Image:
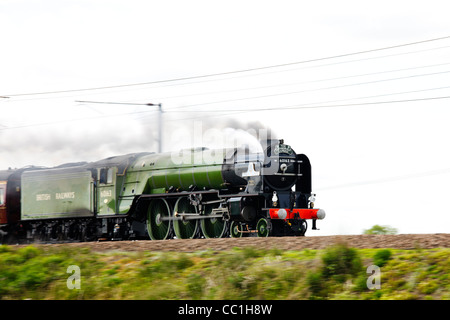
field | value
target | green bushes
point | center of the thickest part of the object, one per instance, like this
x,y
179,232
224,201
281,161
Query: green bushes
x,y
381,257
338,272
195,285
339,263
25,271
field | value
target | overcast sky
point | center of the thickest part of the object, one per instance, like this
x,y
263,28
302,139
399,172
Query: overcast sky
x,y
361,87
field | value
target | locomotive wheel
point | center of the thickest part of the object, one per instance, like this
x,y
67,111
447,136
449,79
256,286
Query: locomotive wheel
x,y
39,233
214,227
262,228
185,229
73,231
158,229
303,226
55,232
236,230
88,231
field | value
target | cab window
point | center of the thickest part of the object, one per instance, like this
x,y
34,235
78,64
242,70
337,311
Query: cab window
x,y
106,175
109,176
103,175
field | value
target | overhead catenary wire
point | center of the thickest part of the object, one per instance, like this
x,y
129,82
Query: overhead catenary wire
x,y
296,107
248,88
297,69
302,68
308,90
230,111
228,72
303,82
310,103
288,93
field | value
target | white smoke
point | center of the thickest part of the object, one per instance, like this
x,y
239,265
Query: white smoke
x,y
94,139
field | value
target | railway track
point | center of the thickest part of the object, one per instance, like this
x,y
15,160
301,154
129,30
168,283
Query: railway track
x,y
401,241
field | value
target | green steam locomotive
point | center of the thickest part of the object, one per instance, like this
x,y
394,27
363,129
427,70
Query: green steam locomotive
x,y
192,193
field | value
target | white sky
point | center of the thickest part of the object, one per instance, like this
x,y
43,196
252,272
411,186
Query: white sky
x,y
372,164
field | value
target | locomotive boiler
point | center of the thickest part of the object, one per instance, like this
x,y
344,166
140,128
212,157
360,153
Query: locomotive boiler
x,y
187,194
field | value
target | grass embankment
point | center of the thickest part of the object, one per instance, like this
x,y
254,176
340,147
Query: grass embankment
x,y
338,272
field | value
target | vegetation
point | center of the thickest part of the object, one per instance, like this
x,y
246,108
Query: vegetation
x,y
338,272
381,257
377,229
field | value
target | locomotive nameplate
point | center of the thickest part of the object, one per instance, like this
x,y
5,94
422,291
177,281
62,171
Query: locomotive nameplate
x,y
283,148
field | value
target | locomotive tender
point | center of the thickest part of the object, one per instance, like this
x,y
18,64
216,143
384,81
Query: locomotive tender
x,y
193,193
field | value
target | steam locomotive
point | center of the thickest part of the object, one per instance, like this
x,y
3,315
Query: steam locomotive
x,y
192,193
